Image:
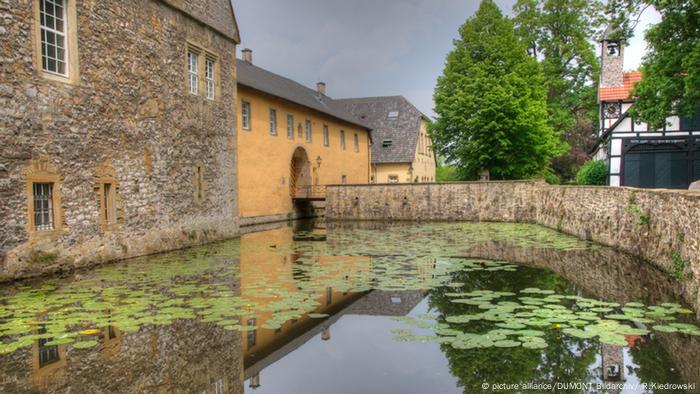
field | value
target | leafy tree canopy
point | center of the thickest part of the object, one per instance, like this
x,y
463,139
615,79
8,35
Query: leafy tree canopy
x,y
560,34
491,103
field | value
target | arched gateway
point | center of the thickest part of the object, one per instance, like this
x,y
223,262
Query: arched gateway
x,y
300,177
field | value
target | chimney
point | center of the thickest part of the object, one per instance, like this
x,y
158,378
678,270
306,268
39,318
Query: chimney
x,y
248,55
321,88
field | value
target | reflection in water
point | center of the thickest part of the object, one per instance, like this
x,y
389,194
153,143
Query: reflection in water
x,y
309,309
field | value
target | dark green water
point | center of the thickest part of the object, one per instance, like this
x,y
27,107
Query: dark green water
x,y
362,308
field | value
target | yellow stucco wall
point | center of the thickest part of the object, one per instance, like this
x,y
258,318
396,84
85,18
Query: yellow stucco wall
x,y
423,163
264,160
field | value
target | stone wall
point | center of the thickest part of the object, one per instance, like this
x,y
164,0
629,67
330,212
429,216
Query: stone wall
x,y
128,117
660,226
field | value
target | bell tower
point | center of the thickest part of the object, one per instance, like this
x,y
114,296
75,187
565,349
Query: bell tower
x,y
612,59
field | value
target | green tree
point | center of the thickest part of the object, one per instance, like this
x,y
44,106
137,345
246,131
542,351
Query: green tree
x,y
491,103
671,67
559,33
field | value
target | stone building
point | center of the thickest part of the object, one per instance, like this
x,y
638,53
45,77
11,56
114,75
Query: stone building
x,y
118,129
293,140
636,155
402,151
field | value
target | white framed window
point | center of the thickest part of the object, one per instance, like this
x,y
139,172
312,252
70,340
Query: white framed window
x,y
192,70
356,139
326,139
43,206
273,121
393,114
54,40
245,115
209,78
342,139
308,131
290,126
393,179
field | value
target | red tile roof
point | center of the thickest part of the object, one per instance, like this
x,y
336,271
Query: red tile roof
x,y
620,92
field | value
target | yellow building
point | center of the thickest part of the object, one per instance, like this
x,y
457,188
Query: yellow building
x,y
402,150
292,141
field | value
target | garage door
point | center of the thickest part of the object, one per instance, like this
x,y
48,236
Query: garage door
x,y
656,170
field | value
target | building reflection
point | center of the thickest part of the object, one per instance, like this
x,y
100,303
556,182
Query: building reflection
x,y
187,356
373,303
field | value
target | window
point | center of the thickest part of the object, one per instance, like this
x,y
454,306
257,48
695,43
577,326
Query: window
x,y
357,142
308,131
329,295
219,387
107,204
342,139
393,114
245,115
251,333
613,49
326,141
43,206
273,121
344,179
47,354
192,68
209,78
393,179
199,183
691,123
54,43
290,126
387,143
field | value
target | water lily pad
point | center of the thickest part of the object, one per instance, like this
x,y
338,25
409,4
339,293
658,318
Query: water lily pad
x,y
85,344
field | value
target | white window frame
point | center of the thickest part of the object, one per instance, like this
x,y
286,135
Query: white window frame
x,y
245,115
273,121
209,77
193,71
326,136
290,126
45,30
43,200
309,131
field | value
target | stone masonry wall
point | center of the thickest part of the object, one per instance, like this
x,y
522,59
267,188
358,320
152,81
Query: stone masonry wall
x,y
130,117
660,226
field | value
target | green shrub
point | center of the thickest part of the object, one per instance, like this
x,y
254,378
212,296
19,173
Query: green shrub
x,y
592,172
39,257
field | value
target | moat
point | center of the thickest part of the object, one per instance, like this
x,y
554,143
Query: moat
x,y
356,308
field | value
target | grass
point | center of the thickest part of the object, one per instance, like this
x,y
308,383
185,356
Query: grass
x,y
678,265
39,257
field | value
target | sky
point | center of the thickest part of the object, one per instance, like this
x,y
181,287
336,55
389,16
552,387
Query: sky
x,y
363,48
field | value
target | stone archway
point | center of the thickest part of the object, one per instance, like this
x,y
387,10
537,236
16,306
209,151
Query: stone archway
x,y
300,174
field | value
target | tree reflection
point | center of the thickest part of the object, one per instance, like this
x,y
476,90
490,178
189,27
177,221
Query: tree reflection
x,y
565,360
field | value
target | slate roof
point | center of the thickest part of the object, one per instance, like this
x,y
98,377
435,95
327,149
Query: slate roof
x,y
620,92
276,85
403,131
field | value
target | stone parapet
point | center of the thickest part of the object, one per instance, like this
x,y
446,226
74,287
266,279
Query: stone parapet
x,y
660,226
